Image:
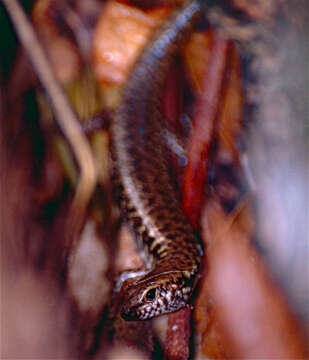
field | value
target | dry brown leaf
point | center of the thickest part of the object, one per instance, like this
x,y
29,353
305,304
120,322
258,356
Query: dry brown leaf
x,y
120,34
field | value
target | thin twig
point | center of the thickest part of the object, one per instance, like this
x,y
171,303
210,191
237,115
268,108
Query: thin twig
x,y
82,35
199,144
65,116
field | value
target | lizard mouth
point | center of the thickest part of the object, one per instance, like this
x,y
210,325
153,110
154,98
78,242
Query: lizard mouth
x,y
129,314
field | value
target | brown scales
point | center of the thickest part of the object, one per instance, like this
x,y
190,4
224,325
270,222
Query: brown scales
x,y
150,202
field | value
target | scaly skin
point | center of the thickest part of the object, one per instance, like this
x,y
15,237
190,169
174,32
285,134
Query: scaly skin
x,y
150,201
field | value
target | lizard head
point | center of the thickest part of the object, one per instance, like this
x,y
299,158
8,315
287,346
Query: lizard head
x,y
155,294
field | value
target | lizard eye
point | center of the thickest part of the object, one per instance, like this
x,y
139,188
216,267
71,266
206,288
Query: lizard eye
x,y
151,294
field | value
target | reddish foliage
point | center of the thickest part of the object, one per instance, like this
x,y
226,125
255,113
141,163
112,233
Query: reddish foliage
x,y
178,335
173,97
260,324
202,135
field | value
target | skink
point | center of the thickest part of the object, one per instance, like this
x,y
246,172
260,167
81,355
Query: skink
x,y
148,198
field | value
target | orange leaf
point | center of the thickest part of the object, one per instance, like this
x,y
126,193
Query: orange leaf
x,y
120,34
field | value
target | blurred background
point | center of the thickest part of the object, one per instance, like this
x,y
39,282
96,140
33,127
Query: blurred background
x,y
236,98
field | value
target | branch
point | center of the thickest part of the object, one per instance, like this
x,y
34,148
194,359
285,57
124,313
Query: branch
x,y
65,116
